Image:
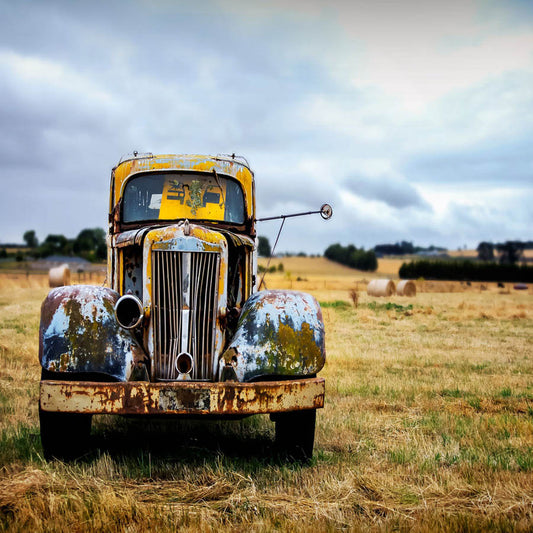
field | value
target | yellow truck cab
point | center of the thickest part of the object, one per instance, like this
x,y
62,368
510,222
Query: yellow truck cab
x,y
181,329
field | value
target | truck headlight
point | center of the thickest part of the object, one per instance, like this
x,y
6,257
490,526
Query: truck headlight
x,y
129,311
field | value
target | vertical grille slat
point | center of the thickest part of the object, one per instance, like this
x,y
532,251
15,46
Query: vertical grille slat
x,y
184,301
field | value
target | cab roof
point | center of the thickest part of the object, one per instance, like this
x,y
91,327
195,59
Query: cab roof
x,y
228,165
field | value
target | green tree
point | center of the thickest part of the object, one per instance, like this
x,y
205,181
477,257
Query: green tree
x,y
263,246
31,239
53,244
485,251
510,252
90,243
352,257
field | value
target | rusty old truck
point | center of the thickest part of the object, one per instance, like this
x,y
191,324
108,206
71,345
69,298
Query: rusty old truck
x,y
180,328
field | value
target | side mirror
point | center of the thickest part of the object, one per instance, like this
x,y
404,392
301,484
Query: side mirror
x,y
326,211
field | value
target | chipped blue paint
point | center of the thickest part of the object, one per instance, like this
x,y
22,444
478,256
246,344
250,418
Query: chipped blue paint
x,y
280,333
79,333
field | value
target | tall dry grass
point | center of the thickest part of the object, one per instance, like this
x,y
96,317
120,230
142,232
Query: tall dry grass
x,y
428,425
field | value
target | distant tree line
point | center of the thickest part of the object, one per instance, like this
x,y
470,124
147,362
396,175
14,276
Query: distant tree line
x,y
264,250
465,270
510,252
353,257
89,244
504,252
404,248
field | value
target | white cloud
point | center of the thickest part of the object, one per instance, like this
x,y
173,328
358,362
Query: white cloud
x,y
39,78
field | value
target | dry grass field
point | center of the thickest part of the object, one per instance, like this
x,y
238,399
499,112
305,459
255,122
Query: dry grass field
x,y
428,426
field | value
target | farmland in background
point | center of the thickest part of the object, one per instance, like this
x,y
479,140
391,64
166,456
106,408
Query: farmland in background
x,y
428,425
472,254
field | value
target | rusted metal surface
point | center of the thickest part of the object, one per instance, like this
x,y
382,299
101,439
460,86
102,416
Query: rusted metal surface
x,y
280,333
183,397
132,271
79,333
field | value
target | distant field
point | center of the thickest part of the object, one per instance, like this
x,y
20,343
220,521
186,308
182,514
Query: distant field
x,y
428,426
473,253
333,280
30,280
324,268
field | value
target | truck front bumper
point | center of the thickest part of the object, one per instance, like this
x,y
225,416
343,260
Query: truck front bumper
x,y
182,397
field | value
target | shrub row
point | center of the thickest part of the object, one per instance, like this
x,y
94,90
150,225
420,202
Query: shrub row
x,y
466,271
271,269
352,257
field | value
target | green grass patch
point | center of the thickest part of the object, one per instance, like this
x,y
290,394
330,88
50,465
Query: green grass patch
x,y
389,306
401,456
20,443
506,392
452,393
337,304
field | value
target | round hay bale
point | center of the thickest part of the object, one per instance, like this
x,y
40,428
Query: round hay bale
x,y
406,287
59,276
381,287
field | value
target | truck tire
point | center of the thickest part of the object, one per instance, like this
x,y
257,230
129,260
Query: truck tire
x,y
64,436
295,434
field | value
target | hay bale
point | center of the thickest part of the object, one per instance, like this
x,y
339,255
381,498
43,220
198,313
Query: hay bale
x,y
381,287
59,276
406,287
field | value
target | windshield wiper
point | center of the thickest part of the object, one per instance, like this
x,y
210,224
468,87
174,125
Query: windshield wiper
x,y
219,186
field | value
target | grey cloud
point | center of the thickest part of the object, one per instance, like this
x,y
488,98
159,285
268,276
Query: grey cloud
x,y
483,136
390,190
492,222
508,165
284,191
180,78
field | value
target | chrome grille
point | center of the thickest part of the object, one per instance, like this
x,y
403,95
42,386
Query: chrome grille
x,y
184,303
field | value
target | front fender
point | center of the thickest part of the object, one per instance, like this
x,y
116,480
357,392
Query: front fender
x,y
279,333
79,333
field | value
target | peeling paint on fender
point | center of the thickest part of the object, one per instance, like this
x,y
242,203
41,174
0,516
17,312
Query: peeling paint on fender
x,y
79,333
280,333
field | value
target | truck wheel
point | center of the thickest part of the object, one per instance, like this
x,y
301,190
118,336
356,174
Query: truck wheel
x,y
64,435
295,434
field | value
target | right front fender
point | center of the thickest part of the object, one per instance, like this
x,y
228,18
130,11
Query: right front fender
x,y
279,334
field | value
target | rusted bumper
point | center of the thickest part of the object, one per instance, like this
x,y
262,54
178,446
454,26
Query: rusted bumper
x,y
143,398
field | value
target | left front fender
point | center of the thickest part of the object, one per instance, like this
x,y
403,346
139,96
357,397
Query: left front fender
x,y
79,333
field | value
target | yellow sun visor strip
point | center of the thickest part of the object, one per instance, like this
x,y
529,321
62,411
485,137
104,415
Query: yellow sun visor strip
x,y
187,197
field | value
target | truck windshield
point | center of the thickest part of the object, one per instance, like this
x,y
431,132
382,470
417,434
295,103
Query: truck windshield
x,y
178,195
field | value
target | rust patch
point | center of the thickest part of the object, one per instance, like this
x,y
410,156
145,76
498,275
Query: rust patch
x,y
79,333
182,397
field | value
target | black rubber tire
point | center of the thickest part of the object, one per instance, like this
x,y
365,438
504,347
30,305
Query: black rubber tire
x,y
295,434
64,436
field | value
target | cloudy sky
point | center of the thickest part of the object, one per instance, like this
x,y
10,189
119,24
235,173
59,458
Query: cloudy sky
x,y
414,120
